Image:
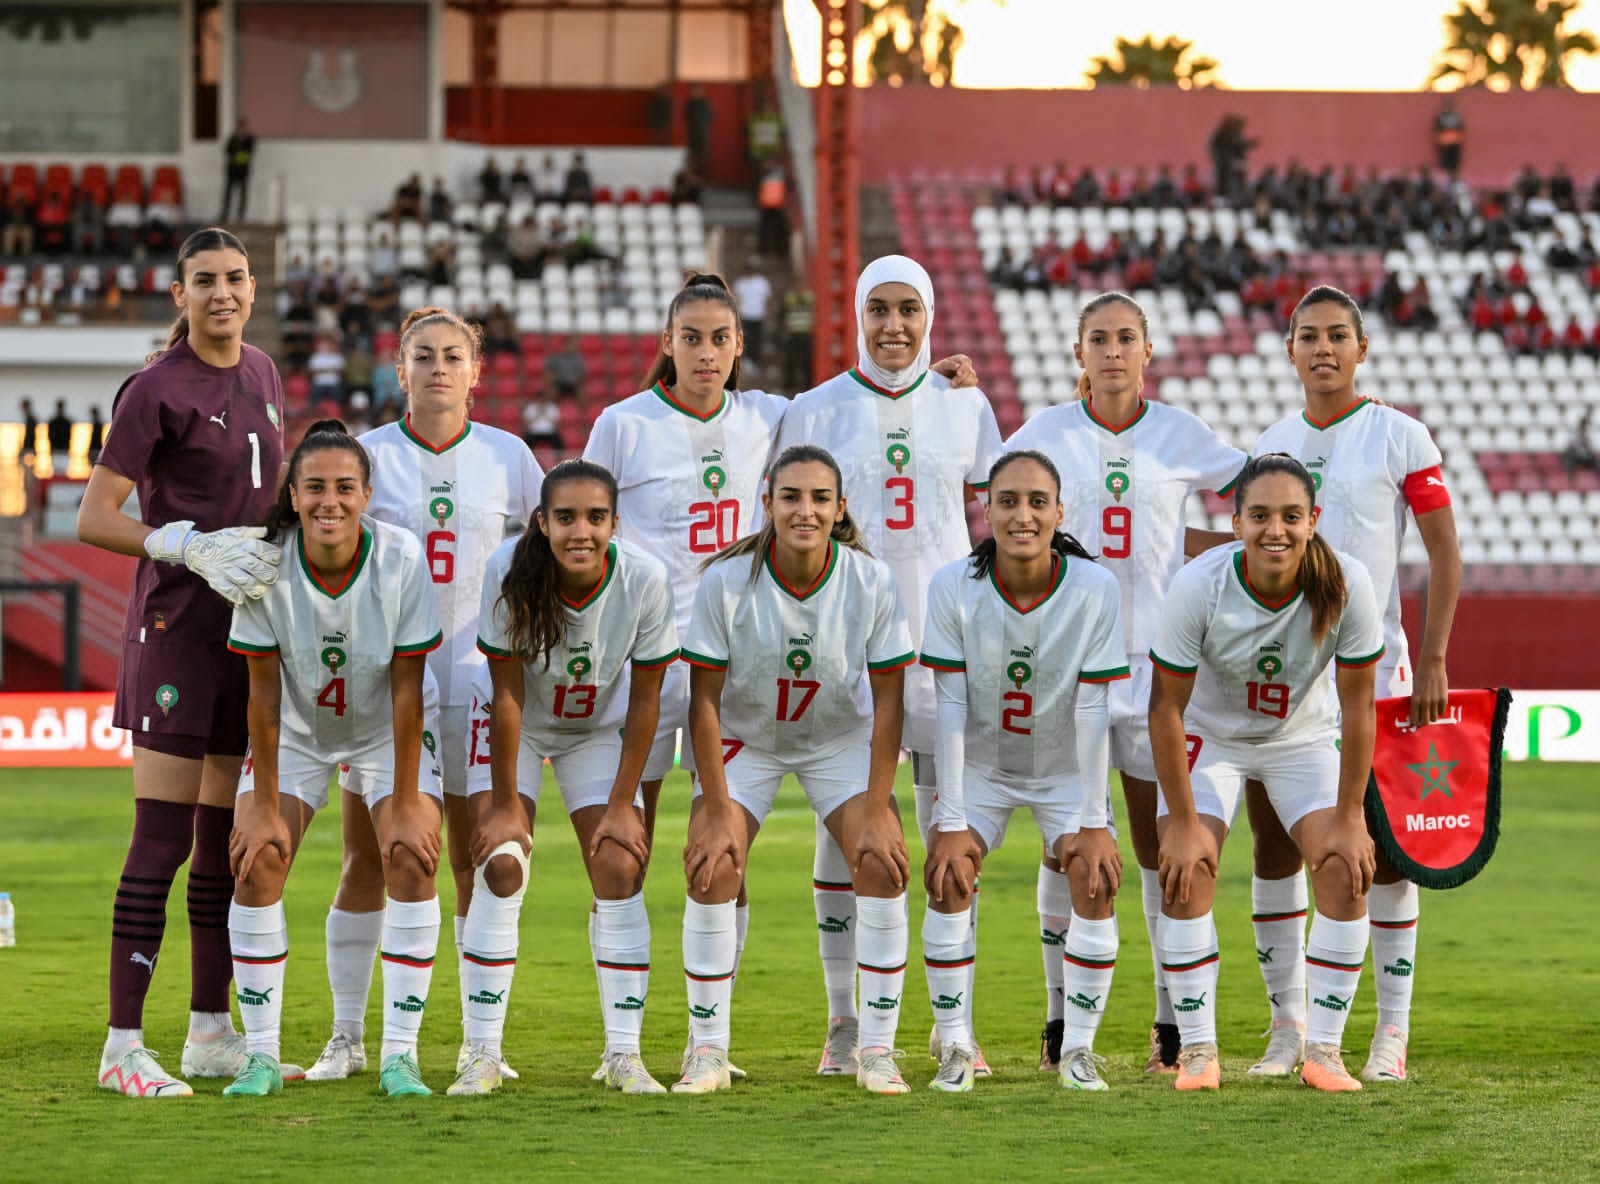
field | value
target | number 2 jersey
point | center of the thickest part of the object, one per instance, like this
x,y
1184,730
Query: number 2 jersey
x,y
905,458
1023,666
460,501
625,621
797,660
687,485
1125,491
1369,464
336,643
1258,675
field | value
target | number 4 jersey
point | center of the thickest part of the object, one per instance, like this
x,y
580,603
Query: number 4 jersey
x,y
336,643
1257,673
797,659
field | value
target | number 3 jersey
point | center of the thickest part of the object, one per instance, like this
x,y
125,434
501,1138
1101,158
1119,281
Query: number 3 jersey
x,y
1257,673
336,642
687,485
796,659
905,458
460,501
626,620
1125,490
1023,665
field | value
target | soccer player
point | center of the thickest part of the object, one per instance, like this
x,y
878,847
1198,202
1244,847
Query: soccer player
x,y
337,652
1370,463
199,435
1247,635
1023,638
579,628
798,658
911,450
1129,467
461,488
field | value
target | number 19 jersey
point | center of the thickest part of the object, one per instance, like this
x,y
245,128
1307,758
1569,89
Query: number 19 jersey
x,y
797,660
1258,674
1125,490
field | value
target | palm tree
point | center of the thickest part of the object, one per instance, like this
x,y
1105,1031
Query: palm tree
x,y
1510,44
1146,63
911,42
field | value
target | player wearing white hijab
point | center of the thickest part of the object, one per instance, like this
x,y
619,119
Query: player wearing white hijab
x,y
909,447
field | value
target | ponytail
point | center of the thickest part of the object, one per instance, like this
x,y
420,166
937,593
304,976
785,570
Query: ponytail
x,y
324,434
845,532
1321,581
697,287
536,616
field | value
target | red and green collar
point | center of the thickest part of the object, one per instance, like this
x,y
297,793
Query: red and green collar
x,y
883,390
608,569
1242,571
345,582
1116,429
1361,401
802,593
1058,573
410,434
666,397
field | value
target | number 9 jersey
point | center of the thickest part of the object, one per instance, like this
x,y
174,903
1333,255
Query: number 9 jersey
x,y
1258,675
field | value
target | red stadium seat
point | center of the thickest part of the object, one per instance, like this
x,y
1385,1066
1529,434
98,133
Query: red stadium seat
x,y
166,185
129,185
24,183
58,179
96,182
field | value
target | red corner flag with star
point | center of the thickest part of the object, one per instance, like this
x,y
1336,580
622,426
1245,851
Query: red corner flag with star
x,y
1433,801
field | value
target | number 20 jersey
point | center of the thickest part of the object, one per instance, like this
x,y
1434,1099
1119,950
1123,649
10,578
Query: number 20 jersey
x,y
1216,628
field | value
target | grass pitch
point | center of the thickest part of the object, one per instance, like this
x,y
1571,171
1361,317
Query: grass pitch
x,y
1502,1085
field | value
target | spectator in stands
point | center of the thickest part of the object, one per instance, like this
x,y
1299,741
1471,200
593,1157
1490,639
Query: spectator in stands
x,y
97,433
355,319
441,263
1449,131
358,413
30,432
526,247
17,238
383,298
408,199
491,185
1229,148
326,368
578,185
583,247
1192,187
614,285
59,433
565,370
53,223
1560,256
88,225
539,425
382,259
440,207
659,115
752,292
1579,452
1086,189
499,331
519,186
686,186
358,374
772,196
549,182
697,119
1562,191
1017,189
238,154
1006,273
799,322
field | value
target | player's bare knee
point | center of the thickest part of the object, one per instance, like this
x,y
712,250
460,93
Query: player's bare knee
x,y
264,884
502,875
615,872
872,879
406,876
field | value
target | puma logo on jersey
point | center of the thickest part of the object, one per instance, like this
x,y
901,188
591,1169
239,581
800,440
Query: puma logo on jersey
x,y
221,420
1434,481
148,963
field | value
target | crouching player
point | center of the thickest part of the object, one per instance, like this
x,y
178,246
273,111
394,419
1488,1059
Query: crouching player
x,y
579,629
1023,637
1249,631
336,651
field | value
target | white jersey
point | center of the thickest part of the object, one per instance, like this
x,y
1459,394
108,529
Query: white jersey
x,y
1368,464
905,458
335,645
1125,491
687,485
626,621
1258,676
460,501
1023,666
797,660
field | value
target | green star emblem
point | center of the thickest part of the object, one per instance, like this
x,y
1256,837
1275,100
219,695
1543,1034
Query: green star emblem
x,y
1435,774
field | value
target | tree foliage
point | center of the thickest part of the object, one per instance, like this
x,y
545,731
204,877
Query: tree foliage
x,y
910,42
1147,62
1510,44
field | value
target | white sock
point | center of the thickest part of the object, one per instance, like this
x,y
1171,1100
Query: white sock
x,y
1054,894
488,951
1150,895
1334,955
209,1025
741,930
1088,962
1392,910
120,1040
947,958
882,939
1278,914
459,925
260,942
833,895
352,940
1189,963
410,942
972,967
622,966
710,943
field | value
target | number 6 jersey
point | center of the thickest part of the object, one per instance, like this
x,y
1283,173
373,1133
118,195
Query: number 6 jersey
x,y
1257,673
797,659
336,644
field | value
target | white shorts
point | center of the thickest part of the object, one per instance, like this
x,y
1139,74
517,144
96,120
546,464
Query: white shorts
x,y
369,775
1129,703
991,798
668,746
584,773
828,781
452,743
1301,774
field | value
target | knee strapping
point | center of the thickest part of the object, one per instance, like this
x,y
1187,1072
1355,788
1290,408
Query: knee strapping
x,y
513,850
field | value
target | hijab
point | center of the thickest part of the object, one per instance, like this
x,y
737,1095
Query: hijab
x,y
893,269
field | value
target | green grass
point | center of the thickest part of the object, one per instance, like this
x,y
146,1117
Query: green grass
x,y
1502,1086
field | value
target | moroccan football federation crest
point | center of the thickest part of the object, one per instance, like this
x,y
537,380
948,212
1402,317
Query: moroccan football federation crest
x,y
1117,480
798,661
272,415
1433,800
1315,467
899,455
166,697
333,658
714,479
441,509
1269,663
1020,673
578,667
